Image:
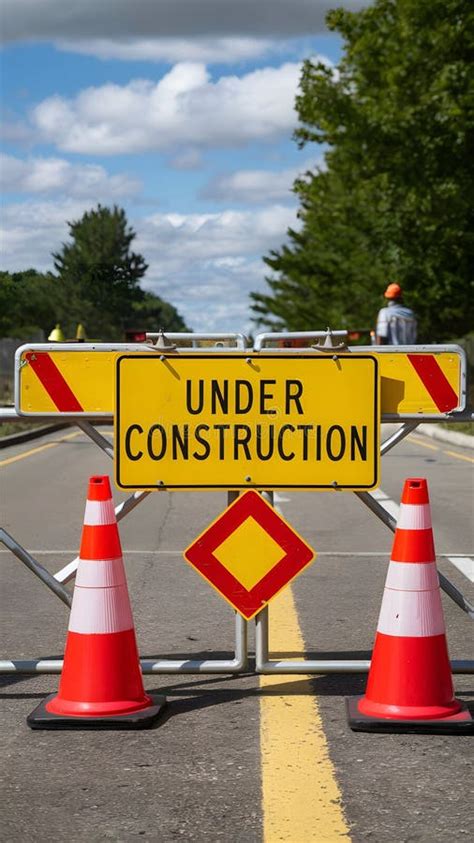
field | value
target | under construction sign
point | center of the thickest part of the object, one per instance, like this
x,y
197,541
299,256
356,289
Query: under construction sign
x,y
234,421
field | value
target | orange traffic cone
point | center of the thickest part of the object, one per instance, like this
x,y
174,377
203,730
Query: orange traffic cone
x,y
101,685
410,687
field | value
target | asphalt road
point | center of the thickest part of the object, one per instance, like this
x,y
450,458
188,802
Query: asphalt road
x,y
206,773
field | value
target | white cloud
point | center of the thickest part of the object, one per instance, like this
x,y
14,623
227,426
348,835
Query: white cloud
x,y
207,50
207,264
184,106
204,237
204,264
32,230
187,159
55,175
257,186
118,19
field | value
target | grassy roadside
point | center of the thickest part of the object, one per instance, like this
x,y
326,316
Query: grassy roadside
x,y
7,428
465,427
460,427
468,344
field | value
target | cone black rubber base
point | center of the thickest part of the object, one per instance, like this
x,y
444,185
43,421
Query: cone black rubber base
x,y
458,724
40,718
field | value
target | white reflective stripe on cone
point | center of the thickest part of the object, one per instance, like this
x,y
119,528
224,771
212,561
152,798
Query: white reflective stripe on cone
x,y
100,610
411,613
101,573
414,516
99,512
412,576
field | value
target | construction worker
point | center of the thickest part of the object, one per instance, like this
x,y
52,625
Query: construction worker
x,y
396,324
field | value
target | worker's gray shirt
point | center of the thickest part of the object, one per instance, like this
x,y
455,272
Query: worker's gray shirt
x,y
397,324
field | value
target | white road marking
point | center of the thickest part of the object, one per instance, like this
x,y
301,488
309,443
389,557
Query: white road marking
x,y
277,498
464,564
390,506
66,573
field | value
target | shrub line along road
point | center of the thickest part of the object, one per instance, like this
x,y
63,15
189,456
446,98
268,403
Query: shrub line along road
x,y
235,758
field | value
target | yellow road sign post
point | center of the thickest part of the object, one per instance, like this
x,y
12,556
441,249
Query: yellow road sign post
x,y
235,421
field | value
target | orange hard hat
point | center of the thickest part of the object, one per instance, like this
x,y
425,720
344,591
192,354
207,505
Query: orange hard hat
x,y
393,291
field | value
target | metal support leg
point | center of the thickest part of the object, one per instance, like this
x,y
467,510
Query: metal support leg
x,y
35,567
448,587
166,666
263,664
96,437
378,510
236,665
69,570
398,436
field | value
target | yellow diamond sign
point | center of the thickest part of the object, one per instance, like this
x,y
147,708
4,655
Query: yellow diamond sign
x,y
249,553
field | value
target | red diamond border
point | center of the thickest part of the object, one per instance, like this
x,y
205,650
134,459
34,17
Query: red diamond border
x,y
298,555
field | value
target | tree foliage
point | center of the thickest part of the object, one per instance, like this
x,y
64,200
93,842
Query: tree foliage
x,y
152,313
394,199
100,269
30,302
97,284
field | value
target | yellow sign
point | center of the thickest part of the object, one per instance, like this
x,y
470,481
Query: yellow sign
x,y
249,553
66,382
235,421
82,381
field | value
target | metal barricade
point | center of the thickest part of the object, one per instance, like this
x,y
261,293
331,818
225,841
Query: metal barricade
x,y
84,419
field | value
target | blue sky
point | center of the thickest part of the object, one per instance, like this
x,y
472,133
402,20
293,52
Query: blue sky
x,y
182,113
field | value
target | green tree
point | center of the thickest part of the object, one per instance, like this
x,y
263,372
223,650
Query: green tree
x,y
394,201
153,313
100,271
30,302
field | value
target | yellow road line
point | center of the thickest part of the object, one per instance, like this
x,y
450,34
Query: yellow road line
x,y
459,456
32,451
300,795
436,448
423,444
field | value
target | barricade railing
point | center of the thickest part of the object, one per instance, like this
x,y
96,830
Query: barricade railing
x,y
239,663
